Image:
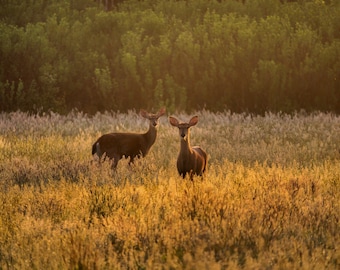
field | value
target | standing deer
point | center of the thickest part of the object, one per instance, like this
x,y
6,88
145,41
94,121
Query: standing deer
x,y
115,146
191,159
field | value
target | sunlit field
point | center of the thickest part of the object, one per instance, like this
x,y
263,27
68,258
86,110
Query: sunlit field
x,y
269,200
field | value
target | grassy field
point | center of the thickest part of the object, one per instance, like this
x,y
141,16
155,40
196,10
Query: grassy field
x,y
269,200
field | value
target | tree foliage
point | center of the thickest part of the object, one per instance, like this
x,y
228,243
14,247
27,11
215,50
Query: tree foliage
x,y
256,56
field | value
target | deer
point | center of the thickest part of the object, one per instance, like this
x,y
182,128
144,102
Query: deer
x,y
115,146
191,160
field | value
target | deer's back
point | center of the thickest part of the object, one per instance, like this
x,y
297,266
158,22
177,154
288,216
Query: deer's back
x,y
121,144
200,151
201,160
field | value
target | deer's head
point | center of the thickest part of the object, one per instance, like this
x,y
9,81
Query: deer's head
x,y
183,127
153,118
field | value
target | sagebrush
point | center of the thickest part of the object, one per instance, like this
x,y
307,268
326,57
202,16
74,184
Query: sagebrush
x,y
269,199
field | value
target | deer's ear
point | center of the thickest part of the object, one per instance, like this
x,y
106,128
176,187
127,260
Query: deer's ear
x,y
173,121
161,112
193,121
144,113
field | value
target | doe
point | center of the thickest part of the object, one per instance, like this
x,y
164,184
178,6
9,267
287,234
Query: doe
x,y
191,159
115,146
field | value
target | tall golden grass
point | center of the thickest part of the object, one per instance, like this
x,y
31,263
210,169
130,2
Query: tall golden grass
x,y
269,200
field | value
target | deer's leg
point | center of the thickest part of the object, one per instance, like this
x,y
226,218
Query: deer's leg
x,y
131,160
191,175
115,161
114,164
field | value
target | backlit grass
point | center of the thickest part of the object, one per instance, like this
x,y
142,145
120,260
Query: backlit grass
x,y
269,200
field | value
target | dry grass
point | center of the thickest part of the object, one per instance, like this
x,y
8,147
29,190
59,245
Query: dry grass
x,y
270,199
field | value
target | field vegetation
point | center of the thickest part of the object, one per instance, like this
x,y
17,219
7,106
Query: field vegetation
x,y
269,200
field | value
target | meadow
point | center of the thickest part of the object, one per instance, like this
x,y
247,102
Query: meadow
x,y
269,200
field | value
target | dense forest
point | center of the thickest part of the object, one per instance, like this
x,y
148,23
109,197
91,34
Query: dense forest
x,y
253,56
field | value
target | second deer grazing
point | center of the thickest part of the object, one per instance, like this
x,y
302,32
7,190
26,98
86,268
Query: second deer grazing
x,y
191,159
115,146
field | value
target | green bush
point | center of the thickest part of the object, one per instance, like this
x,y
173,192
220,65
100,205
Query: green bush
x,y
254,56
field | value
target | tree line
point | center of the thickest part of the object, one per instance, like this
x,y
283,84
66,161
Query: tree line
x,y
254,56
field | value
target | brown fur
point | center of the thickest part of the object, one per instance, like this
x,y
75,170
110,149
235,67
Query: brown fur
x,y
115,146
191,160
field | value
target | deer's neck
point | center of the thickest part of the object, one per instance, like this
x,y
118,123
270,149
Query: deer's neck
x,y
185,147
150,135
